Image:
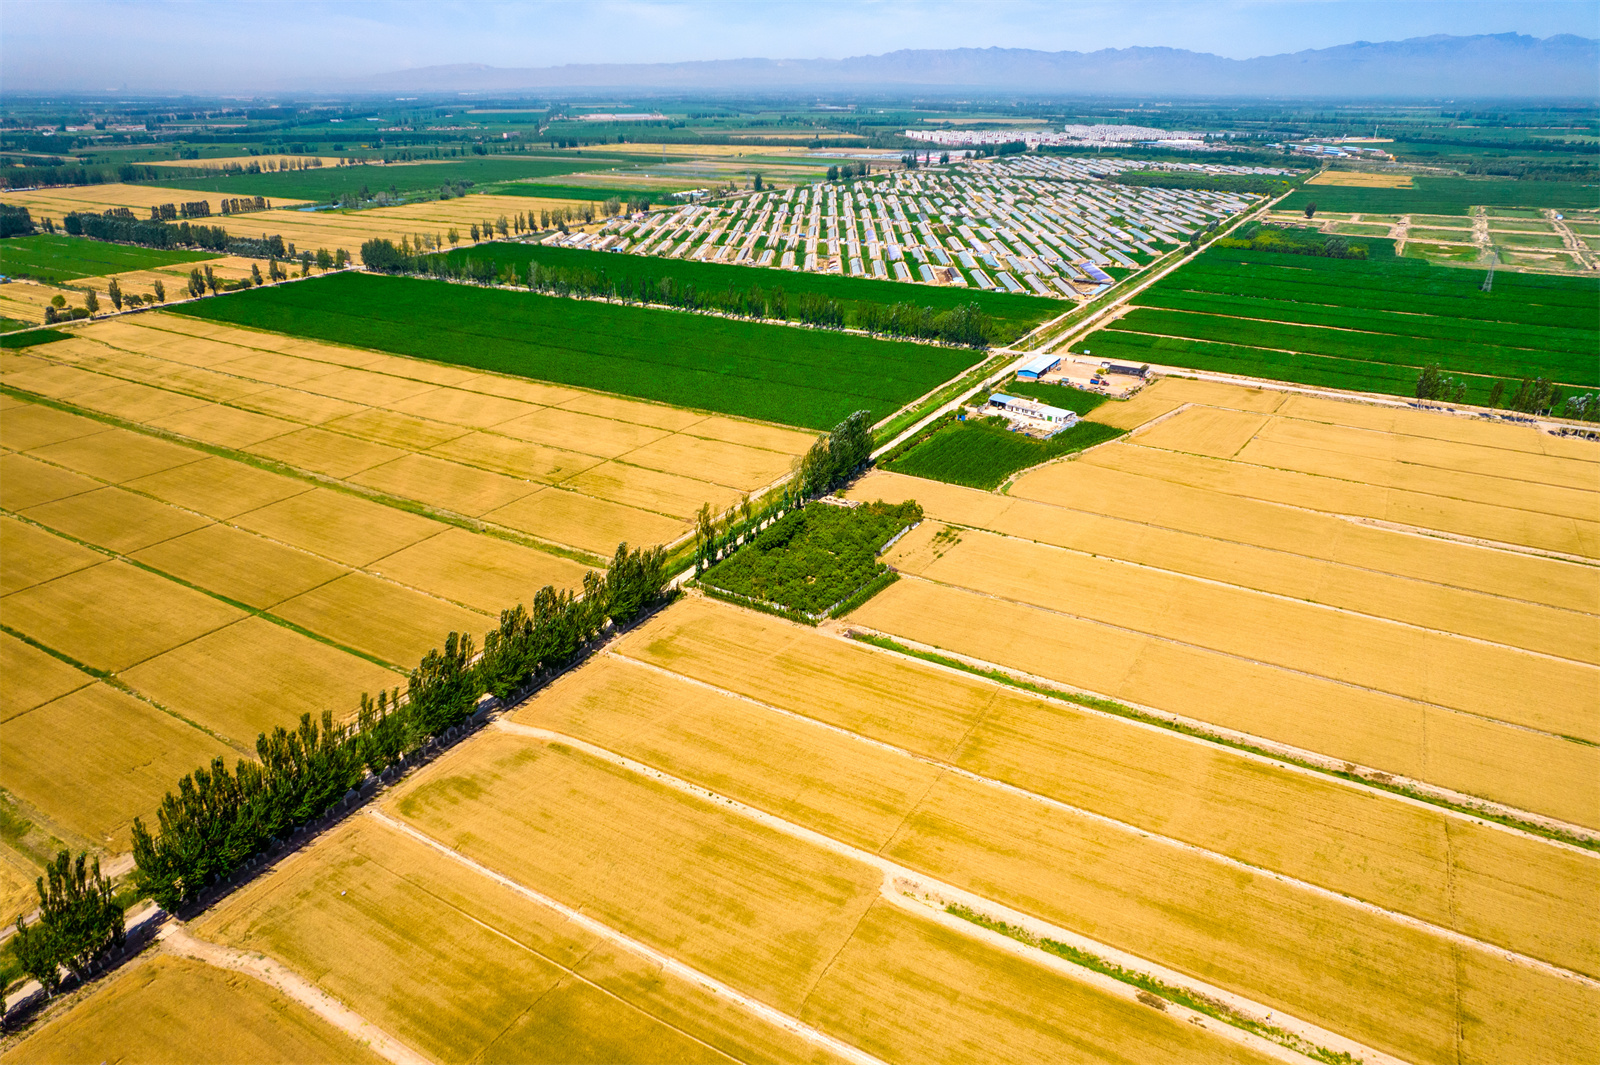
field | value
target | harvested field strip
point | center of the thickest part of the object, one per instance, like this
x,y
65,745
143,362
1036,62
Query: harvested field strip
x,y
93,760
1356,966
898,964
1274,569
1299,423
229,490
828,779
1205,431
1554,695
30,678
162,1008
1557,501
464,489
1498,524
765,913
1140,497
605,785
1526,770
516,980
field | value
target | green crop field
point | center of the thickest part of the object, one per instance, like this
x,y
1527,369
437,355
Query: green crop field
x,y
326,184
29,339
1012,314
794,376
578,192
1444,196
1367,325
53,257
1064,396
815,558
982,452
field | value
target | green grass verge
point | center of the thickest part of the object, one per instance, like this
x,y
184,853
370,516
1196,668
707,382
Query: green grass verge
x,y
982,453
11,325
1013,315
793,376
1444,195
327,184
1116,709
1151,988
55,257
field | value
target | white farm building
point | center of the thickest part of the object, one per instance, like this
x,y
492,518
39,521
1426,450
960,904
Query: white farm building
x,y
1032,413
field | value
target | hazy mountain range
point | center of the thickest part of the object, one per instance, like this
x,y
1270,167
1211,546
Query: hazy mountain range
x,y
1495,65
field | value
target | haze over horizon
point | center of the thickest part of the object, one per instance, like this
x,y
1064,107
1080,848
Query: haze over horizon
x,y
255,47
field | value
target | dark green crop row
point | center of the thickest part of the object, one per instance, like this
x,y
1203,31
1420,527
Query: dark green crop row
x,y
1444,195
1013,314
982,452
1381,287
1413,275
1394,323
1321,371
794,376
1367,347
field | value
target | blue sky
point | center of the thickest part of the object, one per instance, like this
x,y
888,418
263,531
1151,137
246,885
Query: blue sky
x,y
242,45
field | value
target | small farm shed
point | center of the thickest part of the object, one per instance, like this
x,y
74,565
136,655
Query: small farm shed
x,y
1038,367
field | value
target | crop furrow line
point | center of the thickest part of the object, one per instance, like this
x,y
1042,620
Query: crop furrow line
x,y
905,880
607,933
1329,894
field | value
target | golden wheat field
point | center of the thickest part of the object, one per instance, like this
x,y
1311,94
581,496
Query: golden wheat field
x,y
1269,568
1268,731
163,1008
234,529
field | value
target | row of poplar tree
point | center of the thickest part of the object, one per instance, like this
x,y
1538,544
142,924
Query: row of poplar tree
x,y
220,818
832,460
965,325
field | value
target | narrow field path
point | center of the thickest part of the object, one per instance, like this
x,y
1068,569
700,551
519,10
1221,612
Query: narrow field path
x,y
904,880
175,939
772,1016
1321,766
1100,819
1250,659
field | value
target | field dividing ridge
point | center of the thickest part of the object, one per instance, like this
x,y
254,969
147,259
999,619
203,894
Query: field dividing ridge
x,y
577,917
1579,956
976,888
177,941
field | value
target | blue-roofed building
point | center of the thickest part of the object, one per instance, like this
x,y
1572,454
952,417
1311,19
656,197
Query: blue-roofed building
x,y
1038,367
1035,414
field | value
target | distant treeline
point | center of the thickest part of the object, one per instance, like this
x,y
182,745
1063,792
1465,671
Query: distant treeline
x,y
964,325
220,818
24,177
119,225
1249,184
